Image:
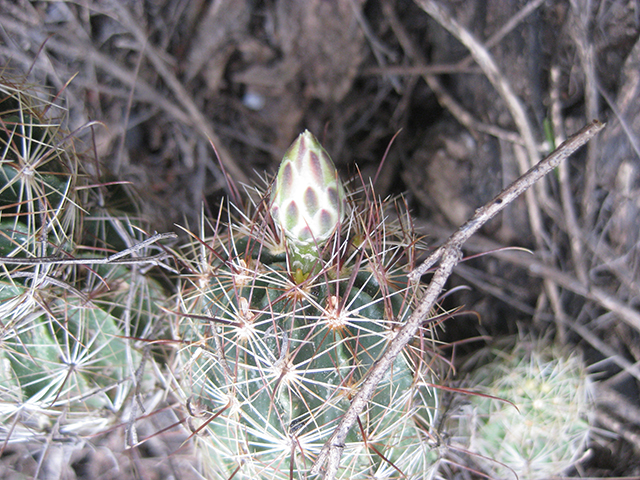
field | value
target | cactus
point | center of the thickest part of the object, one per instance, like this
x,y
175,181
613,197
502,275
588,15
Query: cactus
x,y
545,428
282,313
67,361
38,175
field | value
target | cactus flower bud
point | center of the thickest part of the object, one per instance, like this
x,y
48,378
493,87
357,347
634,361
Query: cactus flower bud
x,y
308,200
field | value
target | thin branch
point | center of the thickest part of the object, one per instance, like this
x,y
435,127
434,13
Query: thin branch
x,y
444,98
332,449
199,121
510,193
626,313
580,23
540,269
449,255
485,61
507,28
116,258
488,65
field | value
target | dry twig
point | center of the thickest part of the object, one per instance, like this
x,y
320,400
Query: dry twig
x,y
116,258
449,255
489,67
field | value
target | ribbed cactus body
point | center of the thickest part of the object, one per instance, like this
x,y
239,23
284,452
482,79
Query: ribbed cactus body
x,y
63,361
544,429
38,168
271,360
68,362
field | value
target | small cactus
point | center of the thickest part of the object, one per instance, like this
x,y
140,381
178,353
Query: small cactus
x,y
283,314
542,425
68,362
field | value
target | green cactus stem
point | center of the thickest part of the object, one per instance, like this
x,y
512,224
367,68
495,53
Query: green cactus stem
x,y
547,432
270,358
39,172
68,359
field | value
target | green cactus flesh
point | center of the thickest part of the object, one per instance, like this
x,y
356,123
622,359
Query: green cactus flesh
x,y
68,362
38,166
62,361
268,364
548,431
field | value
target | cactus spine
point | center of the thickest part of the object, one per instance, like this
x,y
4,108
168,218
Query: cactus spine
x,y
283,314
549,430
67,363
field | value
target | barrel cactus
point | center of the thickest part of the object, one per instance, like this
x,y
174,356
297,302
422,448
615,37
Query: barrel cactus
x,y
68,364
281,314
536,421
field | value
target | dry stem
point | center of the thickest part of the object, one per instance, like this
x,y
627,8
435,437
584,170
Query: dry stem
x,y
449,255
116,258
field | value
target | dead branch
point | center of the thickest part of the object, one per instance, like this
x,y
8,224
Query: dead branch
x,y
449,255
116,258
509,194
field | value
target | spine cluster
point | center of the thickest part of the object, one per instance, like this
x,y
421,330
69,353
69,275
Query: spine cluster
x,y
284,313
278,311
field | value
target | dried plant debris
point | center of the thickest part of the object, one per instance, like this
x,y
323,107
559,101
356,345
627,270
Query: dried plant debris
x,y
148,89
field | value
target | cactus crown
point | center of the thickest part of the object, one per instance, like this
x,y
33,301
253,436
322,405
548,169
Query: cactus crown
x,y
276,345
549,430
